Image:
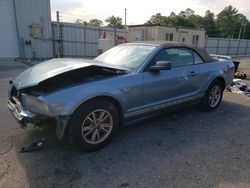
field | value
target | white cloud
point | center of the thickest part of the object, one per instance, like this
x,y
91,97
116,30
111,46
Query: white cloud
x,y
139,12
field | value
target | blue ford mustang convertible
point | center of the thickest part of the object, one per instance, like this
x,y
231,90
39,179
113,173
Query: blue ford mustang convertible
x,y
91,99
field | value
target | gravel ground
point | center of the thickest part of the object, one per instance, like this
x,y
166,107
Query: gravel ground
x,y
183,149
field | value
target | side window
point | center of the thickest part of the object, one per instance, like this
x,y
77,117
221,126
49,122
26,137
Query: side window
x,y
197,59
180,56
176,56
161,56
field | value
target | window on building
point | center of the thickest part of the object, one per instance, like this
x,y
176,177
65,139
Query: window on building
x,y
171,36
166,36
195,39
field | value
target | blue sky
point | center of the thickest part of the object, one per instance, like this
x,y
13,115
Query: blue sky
x,y
138,12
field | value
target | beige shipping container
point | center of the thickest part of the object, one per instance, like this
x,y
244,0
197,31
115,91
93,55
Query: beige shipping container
x,y
158,32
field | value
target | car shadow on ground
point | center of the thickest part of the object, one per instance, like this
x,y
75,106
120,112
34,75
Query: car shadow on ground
x,y
188,148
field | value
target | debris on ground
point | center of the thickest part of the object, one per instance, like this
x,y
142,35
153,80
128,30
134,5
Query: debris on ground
x,y
35,145
240,74
239,87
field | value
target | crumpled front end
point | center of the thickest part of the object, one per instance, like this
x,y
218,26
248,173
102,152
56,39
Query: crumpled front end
x,y
24,114
19,109
37,95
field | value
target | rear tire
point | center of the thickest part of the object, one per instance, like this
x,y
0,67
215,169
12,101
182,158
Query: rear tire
x,y
93,125
213,96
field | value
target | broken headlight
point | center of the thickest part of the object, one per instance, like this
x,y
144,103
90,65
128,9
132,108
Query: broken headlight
x,y
38,106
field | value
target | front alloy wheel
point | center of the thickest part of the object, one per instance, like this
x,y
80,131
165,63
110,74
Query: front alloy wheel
x,y
97,126
93,124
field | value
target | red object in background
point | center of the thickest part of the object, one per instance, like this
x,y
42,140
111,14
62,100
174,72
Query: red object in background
x,y
103,35
120,39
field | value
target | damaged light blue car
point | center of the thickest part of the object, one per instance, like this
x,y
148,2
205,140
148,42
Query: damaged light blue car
x,y
91,99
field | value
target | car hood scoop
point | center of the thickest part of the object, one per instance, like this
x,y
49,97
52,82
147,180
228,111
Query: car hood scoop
x,y
58,67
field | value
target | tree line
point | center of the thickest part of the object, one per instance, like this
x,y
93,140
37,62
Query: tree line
x,y
111,21
229,23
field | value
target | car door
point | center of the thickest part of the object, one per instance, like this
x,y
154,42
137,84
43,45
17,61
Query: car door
x,y
180,82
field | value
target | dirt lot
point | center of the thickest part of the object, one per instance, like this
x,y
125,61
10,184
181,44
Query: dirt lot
x,y
184,149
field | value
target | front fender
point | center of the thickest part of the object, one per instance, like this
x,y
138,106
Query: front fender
x,y
65,102
126,89
89,93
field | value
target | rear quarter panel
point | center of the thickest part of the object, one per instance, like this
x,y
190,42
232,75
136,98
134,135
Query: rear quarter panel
x,y
212,70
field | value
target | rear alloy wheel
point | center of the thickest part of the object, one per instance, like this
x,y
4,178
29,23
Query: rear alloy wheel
x,y
213,96
93,125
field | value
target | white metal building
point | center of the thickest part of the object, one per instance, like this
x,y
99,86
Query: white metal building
x,y
158,32
8,30
25,29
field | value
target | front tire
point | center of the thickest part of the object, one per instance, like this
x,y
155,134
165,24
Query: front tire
x,y
93,125
213,96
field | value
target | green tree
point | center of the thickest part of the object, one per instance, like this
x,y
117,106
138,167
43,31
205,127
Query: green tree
x,y
172,14
196,20
186,13
158,19
96,22
246,33
229,22
79,21
114,22
210,25
180,21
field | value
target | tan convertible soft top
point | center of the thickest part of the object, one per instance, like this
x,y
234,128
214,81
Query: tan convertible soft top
x,y
168,44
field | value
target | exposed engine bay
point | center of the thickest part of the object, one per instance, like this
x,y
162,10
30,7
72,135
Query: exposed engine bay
x,y
81,75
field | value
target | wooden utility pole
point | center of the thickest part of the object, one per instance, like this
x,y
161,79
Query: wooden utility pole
x,y
125,28
125,17
240,31
58,34
244,31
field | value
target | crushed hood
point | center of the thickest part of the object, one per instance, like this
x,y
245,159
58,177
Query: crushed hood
x,y
51,68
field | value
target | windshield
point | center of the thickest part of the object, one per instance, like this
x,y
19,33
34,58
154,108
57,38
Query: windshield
x,y
130,56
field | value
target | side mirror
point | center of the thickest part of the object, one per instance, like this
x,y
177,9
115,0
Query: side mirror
x,y
161,65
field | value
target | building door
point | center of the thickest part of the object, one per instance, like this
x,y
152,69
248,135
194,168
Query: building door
x,y
8,32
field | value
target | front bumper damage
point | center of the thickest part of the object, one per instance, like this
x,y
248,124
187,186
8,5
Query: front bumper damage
x,y
24,118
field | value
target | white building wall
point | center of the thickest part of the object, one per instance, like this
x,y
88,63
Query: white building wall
x,y
37,12
8,30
